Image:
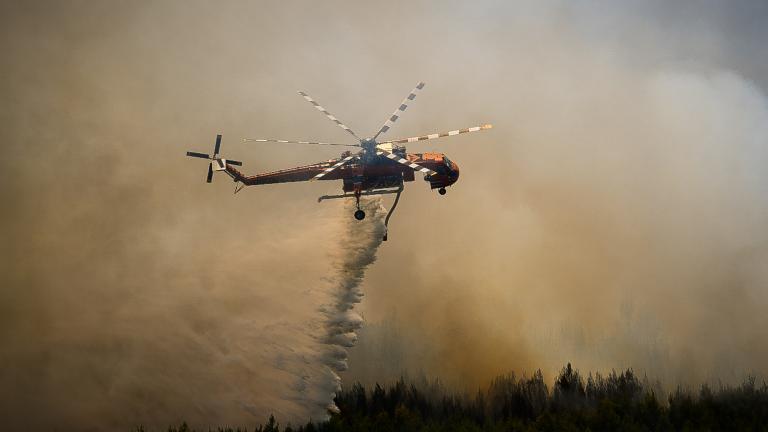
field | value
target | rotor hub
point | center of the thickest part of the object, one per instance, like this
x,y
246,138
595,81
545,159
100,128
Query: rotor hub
x,y
369,145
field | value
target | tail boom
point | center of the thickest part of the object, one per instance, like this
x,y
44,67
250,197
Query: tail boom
x,y
298,174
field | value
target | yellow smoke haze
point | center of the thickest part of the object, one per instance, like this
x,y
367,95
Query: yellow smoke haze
x,y
613,217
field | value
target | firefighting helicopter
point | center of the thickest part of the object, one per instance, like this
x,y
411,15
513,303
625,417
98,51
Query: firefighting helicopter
x,y
377,168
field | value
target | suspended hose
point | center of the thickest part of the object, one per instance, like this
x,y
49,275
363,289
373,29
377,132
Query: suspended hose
x,y
391,210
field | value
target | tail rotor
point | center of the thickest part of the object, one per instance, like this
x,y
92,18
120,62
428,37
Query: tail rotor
x,y
215,158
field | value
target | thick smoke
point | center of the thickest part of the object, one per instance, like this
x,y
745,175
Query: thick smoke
x,y
637,241
614,217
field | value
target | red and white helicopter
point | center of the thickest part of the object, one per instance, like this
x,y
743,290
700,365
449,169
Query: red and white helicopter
x,y
377,168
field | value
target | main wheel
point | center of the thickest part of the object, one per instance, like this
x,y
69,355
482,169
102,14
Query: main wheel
x,y
441,191
359,215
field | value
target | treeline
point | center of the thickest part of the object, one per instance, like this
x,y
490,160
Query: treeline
x,y
616,402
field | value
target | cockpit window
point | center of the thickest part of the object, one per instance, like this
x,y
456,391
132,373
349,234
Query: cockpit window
x,y
447,162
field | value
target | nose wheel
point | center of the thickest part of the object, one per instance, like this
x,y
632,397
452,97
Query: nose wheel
x,y
441,191
359,215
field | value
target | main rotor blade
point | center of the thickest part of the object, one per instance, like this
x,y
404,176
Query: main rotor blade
x,y
234,162
327,114
198,155
439,135
400,110
209,178
297,142
335,167
406,162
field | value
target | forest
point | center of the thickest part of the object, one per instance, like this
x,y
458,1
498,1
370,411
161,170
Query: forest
x,y
617,401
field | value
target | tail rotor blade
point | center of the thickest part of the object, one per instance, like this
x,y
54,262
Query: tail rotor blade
x,y
218,145
198,155
215,158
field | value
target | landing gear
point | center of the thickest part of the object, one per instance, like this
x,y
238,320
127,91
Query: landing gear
x,y
359,214
441,191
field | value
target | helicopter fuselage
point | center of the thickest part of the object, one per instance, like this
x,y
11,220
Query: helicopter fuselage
x,y
376,173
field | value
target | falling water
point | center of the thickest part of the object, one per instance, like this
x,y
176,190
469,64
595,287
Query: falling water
x,y
358,245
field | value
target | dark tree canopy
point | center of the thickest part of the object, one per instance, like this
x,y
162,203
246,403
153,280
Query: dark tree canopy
x,y
618,401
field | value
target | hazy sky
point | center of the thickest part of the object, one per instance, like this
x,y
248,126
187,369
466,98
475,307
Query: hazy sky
x,y
614,217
